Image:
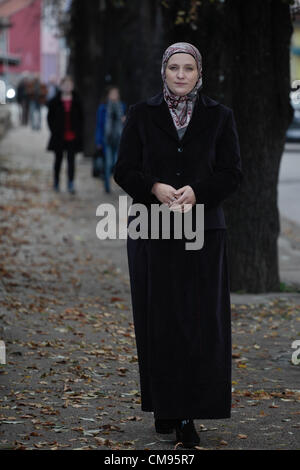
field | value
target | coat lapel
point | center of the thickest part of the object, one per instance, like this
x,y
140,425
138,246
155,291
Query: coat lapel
x,y
161,115
201,117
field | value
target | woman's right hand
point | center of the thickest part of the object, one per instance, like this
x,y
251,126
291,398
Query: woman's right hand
x,y
165,193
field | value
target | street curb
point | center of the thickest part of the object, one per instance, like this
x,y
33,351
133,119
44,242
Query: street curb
x,y
2,353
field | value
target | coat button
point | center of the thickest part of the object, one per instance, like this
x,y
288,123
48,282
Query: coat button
x,y
180,149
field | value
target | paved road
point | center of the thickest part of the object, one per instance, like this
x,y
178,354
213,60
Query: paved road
x,y
289,183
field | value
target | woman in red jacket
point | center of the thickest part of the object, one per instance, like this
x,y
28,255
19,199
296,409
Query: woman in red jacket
x,y
65,120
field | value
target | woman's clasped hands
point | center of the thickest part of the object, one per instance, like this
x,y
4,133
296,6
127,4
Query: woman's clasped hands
x,y
181,199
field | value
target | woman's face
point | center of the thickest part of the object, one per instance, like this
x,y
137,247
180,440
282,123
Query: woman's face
x,y
67,86
181,73
113,94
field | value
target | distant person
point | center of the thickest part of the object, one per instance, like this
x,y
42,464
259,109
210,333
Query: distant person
x,y
23,98
43,94
34,92
109,126
65,120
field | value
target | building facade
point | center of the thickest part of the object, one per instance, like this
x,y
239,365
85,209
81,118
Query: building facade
x,y
29,42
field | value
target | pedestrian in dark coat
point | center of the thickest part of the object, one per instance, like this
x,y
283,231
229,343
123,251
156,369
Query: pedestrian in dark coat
x,y
36,94
65,120
181,147
23,99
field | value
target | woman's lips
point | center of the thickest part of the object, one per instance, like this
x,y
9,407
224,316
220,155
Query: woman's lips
x,y
180,83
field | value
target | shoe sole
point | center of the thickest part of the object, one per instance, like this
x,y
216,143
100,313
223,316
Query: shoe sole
x,y
187,444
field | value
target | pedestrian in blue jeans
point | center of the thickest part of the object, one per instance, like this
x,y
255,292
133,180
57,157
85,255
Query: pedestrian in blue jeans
x,y
109,126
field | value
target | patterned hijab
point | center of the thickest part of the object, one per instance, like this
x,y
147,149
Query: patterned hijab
x,y
181,107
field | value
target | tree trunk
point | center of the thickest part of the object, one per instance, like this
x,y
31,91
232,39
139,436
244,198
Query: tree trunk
x,y
257,86
85,41
114,43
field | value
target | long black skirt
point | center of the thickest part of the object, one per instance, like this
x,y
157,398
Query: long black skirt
x,y
182,320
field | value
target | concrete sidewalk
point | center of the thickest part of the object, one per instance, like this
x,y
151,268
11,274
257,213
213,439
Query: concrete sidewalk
x,y
71,378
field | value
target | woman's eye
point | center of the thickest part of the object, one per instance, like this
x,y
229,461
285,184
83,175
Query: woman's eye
x,y
190,69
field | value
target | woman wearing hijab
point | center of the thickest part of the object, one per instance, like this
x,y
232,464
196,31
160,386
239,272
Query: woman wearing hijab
x,y
178,149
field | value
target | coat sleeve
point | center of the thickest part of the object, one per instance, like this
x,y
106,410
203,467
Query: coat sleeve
x,y
99,126
50,116
128,172
228,174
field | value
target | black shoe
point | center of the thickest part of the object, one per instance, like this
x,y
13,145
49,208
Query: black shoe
x,y
165,426
186,433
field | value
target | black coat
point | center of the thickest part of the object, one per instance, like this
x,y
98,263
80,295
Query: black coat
x,y
207,158
181,298
55,118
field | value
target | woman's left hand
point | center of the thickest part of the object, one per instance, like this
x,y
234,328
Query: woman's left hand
x,y
184,195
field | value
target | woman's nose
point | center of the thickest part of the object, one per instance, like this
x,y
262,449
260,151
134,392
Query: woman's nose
x,y
180,73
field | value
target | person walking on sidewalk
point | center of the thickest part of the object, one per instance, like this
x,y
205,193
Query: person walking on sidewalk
x,y
180,147
109,126
65,120
23,99
36,97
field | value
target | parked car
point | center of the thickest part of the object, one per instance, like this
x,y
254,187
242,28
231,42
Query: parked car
x,y
293,132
